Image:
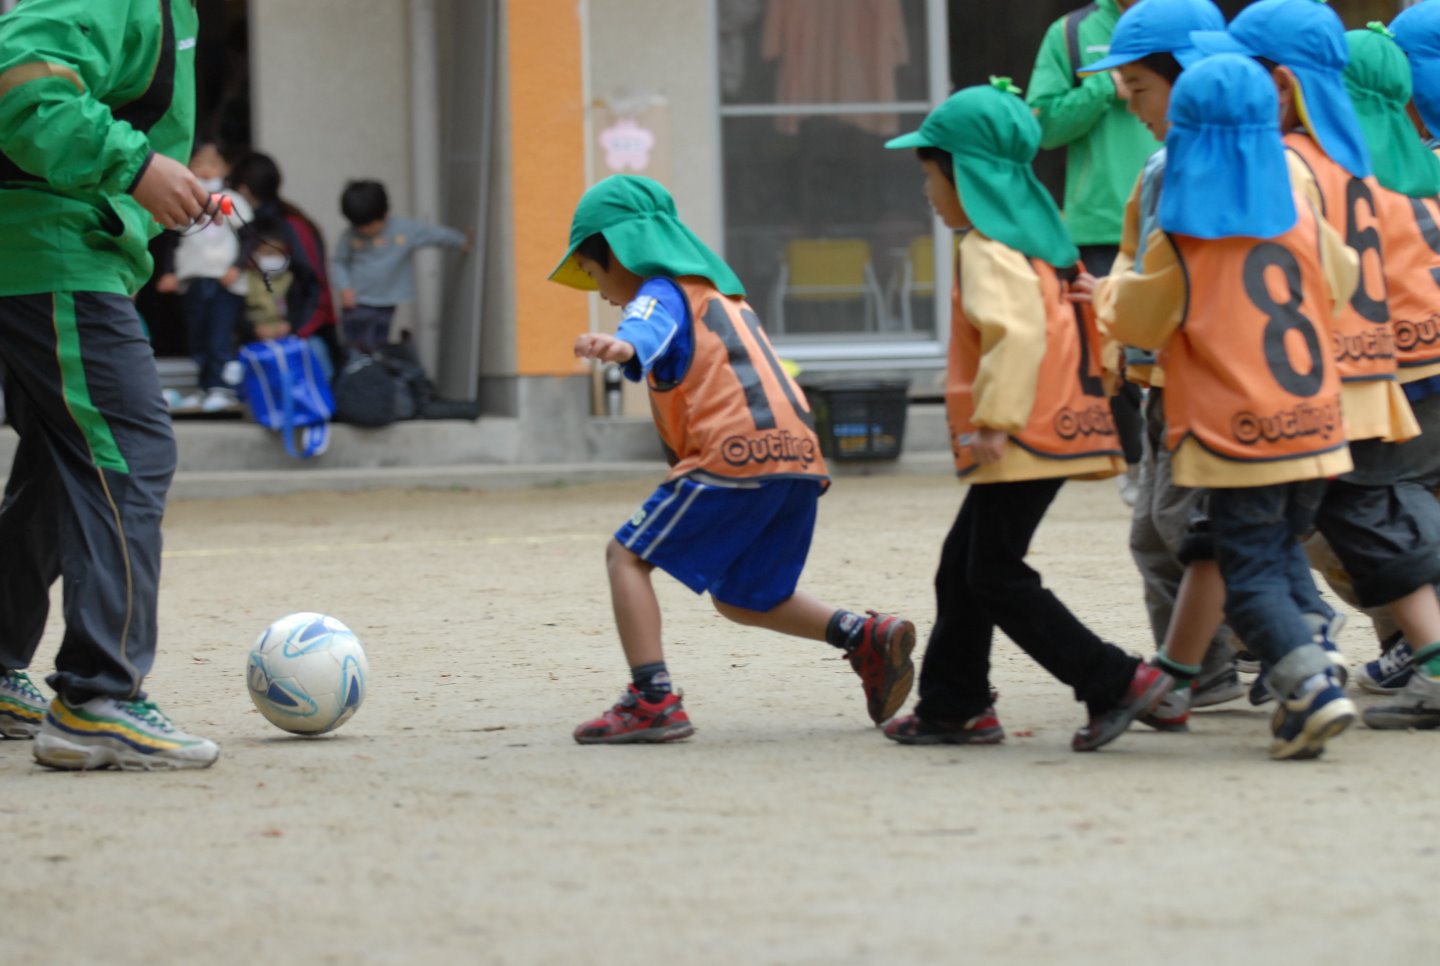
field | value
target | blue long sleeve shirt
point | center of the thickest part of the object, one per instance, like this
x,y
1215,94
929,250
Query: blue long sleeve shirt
x,y
378,267
657,323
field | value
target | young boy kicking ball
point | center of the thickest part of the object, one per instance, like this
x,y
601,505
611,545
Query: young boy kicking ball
x,y
737,512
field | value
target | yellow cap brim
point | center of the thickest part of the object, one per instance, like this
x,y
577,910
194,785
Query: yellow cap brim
x,y
569,273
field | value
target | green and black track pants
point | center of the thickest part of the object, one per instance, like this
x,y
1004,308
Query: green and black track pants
x,y
87,490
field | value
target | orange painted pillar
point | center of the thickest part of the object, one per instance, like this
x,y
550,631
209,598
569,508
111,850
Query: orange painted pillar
x,y
547,150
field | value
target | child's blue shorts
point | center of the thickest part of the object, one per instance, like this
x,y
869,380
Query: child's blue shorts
x,y
746,544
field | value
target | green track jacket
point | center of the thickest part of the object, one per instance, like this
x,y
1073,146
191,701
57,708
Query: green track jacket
x,y
1106,146
88,90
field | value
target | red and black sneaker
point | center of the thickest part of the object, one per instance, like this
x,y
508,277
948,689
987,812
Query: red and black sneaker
x,y
983,729
882,659
635,719
1147,689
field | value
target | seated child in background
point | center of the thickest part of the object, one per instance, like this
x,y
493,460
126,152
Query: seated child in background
x,y
209,273
737,512
270,278
372,264
1239,289
1026,411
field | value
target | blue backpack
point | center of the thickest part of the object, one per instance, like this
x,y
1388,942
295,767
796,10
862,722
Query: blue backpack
x,y
286,391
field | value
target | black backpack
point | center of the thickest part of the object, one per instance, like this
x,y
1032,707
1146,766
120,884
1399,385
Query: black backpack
x,y
367,393
404,364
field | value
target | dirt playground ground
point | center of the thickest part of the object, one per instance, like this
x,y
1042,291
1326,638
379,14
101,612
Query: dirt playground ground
x,y
455,821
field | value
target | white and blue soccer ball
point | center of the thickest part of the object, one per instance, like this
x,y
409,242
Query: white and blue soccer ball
x,y
307,674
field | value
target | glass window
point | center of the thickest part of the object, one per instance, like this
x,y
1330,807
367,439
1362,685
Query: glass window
x,y
829,231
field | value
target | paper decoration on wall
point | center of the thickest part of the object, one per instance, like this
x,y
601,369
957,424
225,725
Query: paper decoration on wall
x,y
627,146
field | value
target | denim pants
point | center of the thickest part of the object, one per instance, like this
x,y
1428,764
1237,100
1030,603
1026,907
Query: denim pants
x,y
211,314
984,583
367,327
1268,587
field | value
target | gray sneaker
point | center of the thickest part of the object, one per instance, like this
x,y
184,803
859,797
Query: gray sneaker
x,y
22,706
107,733
1416,705
1222,686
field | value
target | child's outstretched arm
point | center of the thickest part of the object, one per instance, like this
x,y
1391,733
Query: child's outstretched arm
x,y
604,347
438,235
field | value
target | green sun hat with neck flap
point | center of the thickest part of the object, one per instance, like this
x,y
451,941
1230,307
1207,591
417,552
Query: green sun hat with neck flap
x,y
992,136
1378,79
637,217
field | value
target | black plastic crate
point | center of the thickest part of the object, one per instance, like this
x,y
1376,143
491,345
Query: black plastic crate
x,y
860,420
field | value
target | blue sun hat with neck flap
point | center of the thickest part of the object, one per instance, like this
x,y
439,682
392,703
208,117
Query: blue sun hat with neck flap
x,y
992,137
1417,31
1307,38
1158,27
1225,174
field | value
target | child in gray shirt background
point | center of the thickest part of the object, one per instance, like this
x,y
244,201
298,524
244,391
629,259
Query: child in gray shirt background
x,y
372,262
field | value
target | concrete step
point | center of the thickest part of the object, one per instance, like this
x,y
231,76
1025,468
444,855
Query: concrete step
x,y
234,456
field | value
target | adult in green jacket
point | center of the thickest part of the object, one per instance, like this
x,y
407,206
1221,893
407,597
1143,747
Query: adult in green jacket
x,y
97,114
1105,148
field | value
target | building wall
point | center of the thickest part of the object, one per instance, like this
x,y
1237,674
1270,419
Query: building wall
x,y
330,89
639,47
547,168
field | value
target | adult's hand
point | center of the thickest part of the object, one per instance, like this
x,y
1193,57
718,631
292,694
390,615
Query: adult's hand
x,y
171,193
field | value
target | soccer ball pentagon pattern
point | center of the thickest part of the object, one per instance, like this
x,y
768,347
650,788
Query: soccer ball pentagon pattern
x,y
307,674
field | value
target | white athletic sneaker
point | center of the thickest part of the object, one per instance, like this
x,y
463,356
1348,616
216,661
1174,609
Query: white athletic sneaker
x,y
106,733
181,403
22,706
218,401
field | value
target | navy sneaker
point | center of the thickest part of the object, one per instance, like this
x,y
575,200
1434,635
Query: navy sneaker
x,y
1302,725
1389,672
1327,630
1327,635
1260,692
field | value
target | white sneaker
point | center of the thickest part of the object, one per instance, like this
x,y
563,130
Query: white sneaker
x,y
22,706
106,733
218,400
